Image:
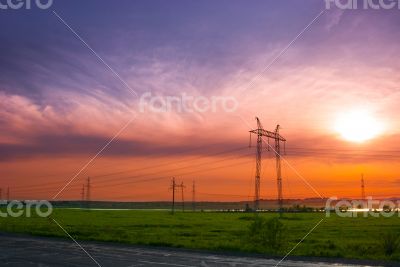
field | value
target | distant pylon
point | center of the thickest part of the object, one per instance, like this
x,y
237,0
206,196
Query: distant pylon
x,y
88,187
260,132
362,187
173,186
194,196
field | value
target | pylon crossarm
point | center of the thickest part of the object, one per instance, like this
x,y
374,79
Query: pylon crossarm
x,y
268,134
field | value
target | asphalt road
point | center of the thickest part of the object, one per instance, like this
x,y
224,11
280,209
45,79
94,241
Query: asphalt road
x,y
31,251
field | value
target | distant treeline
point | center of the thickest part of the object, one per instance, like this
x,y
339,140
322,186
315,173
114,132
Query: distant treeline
x,y
242,205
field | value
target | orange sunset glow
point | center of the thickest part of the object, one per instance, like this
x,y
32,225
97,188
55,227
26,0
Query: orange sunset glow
x,y
170,93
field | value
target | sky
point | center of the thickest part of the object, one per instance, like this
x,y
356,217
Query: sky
x,y
73,79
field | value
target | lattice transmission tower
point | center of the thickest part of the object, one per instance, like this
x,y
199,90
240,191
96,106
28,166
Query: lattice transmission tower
x,y
362,187
260,132
174,186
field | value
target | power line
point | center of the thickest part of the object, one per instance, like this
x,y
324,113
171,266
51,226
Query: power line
x,y
169,163
324,151
224,195
166,177
175,169
182,174
182,152
111,182
150,167
187,173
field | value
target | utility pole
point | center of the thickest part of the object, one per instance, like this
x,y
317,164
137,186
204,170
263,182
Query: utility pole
x,y
1,194
362,187
194,196
88,186
8,194
173,186
275,136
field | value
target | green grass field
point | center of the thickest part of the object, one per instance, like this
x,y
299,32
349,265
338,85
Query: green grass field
x,y
357,238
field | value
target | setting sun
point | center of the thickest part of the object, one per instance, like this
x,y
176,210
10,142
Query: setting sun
x,y
358,126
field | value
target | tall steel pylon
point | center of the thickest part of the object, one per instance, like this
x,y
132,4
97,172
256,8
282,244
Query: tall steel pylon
x,y
173,186
261,132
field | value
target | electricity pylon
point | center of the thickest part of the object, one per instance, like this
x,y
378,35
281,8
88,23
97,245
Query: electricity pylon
x,y
362,187
261,132
194,196
174,185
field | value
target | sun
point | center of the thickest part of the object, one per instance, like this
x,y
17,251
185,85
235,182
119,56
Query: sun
x,y
358,126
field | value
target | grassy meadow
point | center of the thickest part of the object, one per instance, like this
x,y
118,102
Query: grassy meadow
x,y
356,238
